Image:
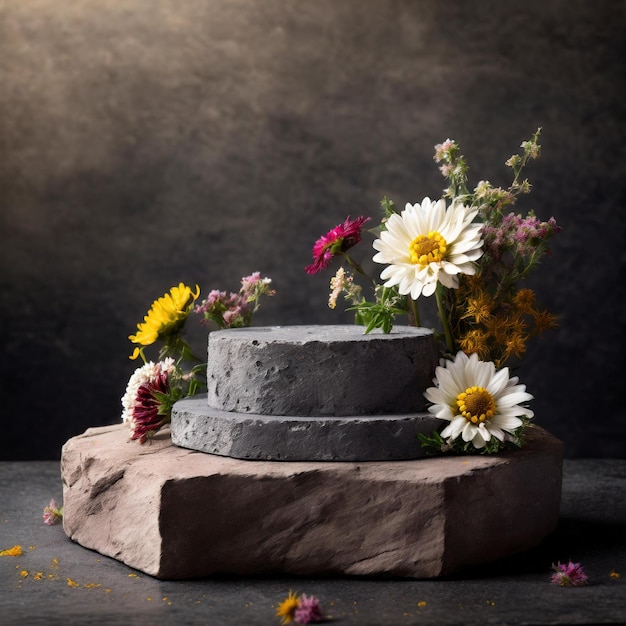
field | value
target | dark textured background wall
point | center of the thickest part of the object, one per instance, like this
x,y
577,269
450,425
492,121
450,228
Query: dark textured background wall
x,y
145,142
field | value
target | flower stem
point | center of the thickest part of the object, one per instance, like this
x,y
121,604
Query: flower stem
x,y
357,268
416,312
444,318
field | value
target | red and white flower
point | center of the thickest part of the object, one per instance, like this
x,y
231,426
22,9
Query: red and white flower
x,y
143,401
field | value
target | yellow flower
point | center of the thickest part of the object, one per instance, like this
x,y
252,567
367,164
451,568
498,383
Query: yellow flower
x,y
475,341
515,345
524,300
165,317
287,608
479,308
544,320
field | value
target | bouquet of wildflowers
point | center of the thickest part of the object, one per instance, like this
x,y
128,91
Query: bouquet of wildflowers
x,y
155,387
469,251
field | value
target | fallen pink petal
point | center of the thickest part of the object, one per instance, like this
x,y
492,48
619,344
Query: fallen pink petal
x,y
308,611
569,575
52,514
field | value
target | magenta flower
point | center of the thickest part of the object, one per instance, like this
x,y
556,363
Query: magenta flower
x,y
336,241
308,611
52,514
570,575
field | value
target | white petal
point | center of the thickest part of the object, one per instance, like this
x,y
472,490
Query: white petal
x,y
506,422
508,400
498,382
469,431
478,442
496,432
483,432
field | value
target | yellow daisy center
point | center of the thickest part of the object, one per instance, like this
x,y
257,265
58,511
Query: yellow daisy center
x,y
476,404
425,249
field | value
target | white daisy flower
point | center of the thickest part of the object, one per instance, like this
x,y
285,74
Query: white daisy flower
x,y
478,401
429,243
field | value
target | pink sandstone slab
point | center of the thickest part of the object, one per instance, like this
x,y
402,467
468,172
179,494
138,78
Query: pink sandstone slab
x,y
175,513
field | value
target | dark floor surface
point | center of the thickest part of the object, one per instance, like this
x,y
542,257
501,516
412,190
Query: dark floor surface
x,y
592,530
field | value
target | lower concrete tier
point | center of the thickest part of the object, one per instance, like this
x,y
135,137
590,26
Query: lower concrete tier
x,y
197,426
177,514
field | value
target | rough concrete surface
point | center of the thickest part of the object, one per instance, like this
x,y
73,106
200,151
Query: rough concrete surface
x,y
197,426
178,514
320,370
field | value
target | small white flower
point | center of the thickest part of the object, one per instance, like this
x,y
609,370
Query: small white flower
x,y
337,283
478,401
429,243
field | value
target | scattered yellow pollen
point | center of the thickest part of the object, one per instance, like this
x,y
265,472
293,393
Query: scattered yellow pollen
x,y
425,249
38,576
614,574
92,585
148,599
72,583
164,599
133,575
23,573
55,562
421,603
107,591
31,547
14,551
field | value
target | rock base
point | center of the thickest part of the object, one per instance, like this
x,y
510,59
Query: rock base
x,y
177,514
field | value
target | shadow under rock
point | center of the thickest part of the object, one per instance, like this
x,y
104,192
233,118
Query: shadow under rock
x,y
582,540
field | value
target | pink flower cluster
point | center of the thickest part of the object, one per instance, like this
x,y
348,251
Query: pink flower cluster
x,y
231,309
234,310
521,235
570,575
308,611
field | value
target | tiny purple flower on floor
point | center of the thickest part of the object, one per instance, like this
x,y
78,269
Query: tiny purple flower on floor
x,y
299,609
308,611
569,575
52,514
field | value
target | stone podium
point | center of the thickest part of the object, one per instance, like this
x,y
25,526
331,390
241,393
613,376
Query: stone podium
x,y
312,393
302,458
